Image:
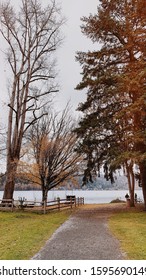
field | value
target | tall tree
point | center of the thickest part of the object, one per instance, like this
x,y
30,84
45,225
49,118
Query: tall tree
x,y
32,36
52,152
112,130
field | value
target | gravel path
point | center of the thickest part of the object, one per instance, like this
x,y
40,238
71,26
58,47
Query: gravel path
x,y
85,235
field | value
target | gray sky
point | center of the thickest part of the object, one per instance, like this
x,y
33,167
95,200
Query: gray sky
x,y
74,41
69,70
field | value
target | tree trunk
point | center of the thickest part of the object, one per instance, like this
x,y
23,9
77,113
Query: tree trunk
x,y
132,198
44,198
44,194
9,189
131,184
10,179
132,193
143,180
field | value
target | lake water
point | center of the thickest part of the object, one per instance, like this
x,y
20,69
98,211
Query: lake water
x,y
90,196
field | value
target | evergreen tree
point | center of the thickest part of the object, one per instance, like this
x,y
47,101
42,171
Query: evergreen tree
x,y
112,129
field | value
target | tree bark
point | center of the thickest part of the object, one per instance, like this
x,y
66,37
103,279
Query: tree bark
x,y
44,194
132,193
143,180
131,183
44,198
10,179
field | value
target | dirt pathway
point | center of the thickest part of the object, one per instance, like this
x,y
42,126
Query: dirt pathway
x,y
85,235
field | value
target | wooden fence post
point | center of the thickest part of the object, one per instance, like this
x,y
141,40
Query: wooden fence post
x,y
58,200
71,202
78,201
75,202
83,200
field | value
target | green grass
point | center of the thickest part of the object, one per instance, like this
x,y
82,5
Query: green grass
x,y
23,234
130,229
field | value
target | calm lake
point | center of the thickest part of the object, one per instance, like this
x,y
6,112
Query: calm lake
x,y
91,197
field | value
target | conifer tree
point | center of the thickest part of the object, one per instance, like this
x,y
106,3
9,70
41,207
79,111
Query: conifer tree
x,y
112,129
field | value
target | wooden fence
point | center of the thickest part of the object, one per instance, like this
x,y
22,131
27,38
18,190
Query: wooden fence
x,y
23,204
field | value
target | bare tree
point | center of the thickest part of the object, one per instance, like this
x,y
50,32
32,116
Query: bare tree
x,y
53,145
32,36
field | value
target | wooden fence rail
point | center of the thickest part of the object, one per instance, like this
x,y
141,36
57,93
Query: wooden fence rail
x,y
23,204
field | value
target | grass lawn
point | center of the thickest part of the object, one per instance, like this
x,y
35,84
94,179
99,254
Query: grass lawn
x,y
130,229
22,234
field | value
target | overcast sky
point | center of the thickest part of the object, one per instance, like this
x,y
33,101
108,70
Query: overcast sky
x,y
74,41
69,69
